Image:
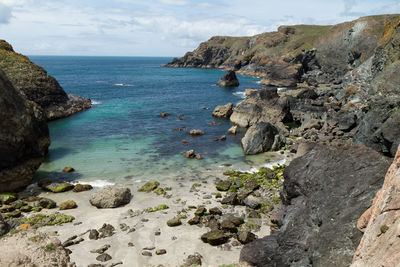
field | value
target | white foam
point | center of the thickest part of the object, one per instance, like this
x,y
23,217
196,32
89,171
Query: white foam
x,y
96,102
281,88
96,183
268,165
259,82
240,94
123,84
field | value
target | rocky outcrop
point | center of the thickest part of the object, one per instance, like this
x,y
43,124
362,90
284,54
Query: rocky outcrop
x,y
24,137
380,243
325,192
259,138
39,87
224,111
32,248
228,80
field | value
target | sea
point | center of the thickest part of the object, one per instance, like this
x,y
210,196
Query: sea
x,y
123,139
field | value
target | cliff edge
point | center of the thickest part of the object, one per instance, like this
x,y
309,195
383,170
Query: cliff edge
x,y
39,87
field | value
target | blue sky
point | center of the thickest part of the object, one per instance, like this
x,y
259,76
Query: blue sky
x,y
160,27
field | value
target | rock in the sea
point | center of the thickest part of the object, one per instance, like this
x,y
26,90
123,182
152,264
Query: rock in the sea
x,y
190,154
224,111
196,132
24,137
380,224
82,187
39,87
326,191
111,197
233,130
164,115
68,169
67,205
58,187
228,80
259,138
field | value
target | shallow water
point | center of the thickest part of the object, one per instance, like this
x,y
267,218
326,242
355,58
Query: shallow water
x,y
122,138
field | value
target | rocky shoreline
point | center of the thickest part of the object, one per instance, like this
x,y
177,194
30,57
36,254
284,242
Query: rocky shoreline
x,y
338,129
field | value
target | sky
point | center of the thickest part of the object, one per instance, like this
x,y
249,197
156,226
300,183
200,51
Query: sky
x,y
160,27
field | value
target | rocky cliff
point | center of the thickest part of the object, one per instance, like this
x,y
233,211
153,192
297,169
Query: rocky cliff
x,y
39,87
24,137
347,77
380,244
325,191
293,54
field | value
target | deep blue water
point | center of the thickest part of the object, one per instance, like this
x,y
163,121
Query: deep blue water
x,y
123,134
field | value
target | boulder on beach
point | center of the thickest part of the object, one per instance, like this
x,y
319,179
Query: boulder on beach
x,y
58,187
82,187
223,111
228,80
259,138
111,197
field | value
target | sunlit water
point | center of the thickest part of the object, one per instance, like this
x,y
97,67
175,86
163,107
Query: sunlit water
x,y
123,138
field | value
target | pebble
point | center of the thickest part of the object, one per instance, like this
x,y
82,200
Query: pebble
x,y
161,252
149,248
147,253
103,257
130,244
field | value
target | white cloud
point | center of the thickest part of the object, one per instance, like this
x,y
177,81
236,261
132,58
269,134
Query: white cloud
x,y
5,14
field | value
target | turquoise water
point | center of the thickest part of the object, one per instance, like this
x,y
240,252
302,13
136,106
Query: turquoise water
x,y
122,137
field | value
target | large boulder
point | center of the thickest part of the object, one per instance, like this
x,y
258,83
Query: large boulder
x,y
24,137
228,80
380,243
110,197
39,87
224,111
325,191
259,138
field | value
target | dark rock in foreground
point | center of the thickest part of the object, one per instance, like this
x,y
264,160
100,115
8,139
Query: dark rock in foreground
x,y
325,191
24,137
229,80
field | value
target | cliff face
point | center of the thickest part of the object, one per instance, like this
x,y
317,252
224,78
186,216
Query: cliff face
x,y
380,244
293,54
325,191
39,87
24,137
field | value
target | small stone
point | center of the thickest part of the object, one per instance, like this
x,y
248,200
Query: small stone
x,y
93,234
231,199
198,157
103,257
222,138
215,237
67,205
218,195
106,230
174,222
101,250
185,141
223,185
147,253
194,259
161,251
253,214
149,186
26,208
207,197
195,220
215,211
82,187
68,169
200,211
130,244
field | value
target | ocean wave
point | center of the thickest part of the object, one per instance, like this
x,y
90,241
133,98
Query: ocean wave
x,y
281,88
96,102
123,84
240,94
